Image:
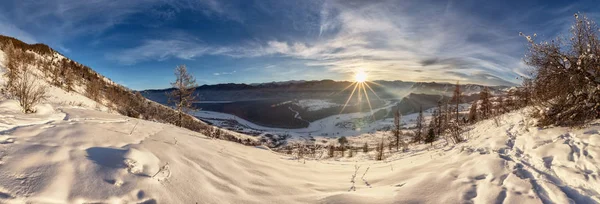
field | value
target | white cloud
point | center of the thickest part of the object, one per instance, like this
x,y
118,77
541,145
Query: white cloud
x,y
183,48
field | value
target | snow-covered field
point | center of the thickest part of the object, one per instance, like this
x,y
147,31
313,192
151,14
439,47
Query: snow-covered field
x,y
322,127
80,155
315,104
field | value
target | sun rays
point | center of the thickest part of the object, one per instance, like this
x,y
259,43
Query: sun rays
x,y
360,87
360,76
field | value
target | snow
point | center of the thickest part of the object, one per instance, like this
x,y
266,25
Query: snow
x,y
76,155
316,104
68,153
326,126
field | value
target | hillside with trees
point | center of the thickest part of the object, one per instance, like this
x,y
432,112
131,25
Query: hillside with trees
x,y
24,62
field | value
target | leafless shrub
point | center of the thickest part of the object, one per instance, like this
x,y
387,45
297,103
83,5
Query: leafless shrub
x,y
28,91
456,132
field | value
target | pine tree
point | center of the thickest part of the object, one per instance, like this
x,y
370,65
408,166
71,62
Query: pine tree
x,y
454,123
331,151
343,142
380,150
183,94
439,119
447,116
486,104
473,113
433,122
430,136
509,102
366,147
500,106
397,126
419,135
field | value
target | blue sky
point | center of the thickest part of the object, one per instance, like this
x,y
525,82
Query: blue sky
x,y
139,43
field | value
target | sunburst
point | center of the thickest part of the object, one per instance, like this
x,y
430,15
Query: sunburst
x,y
360,85
360,76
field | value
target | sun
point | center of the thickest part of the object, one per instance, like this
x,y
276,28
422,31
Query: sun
x,y
360,77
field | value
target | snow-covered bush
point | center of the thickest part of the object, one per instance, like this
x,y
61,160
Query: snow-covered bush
x,y
566,75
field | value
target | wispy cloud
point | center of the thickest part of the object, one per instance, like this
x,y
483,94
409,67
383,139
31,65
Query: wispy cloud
x,y
9,29
387,38
224,73
418,40
61,20
164,49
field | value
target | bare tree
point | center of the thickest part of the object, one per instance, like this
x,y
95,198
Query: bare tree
x,y
14,64
439,119
66,73
93,89
455,127
183,95
456,99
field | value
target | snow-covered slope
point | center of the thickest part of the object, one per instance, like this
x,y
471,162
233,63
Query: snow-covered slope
x,y
79,155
